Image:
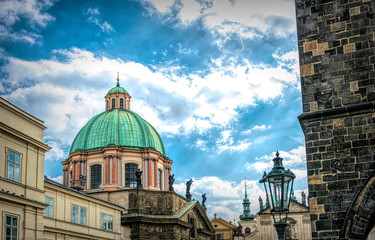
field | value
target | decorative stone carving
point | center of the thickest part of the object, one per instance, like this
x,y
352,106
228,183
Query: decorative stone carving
x,y
188,185
324,93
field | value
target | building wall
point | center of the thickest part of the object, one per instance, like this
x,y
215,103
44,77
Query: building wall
x,y
252,225
223,228
336,48
22,134
60,225
113,174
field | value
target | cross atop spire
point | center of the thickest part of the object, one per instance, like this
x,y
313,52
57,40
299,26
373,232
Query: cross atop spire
x,y
118,80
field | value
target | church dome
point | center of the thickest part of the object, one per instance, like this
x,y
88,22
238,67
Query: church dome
x,y
117,128
117,89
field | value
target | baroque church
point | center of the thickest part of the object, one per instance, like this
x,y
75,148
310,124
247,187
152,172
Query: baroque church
x,y
117,181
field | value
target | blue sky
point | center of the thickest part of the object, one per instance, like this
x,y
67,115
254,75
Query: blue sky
x,y
218,79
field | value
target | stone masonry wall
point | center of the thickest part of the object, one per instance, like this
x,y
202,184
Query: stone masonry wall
x,y
337,55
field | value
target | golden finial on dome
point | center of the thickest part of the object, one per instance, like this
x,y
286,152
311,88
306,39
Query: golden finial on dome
x,y
118,80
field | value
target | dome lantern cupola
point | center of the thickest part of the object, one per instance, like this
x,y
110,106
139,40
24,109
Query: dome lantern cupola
x,y
117,98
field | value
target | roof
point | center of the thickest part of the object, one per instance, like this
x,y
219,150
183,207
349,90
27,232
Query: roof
x,y
46,180
117,89
291,201
224,222
117,128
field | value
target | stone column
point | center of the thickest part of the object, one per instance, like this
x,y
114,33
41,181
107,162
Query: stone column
x,y
150,173
106,170
156,182
114,166
78,172
73,173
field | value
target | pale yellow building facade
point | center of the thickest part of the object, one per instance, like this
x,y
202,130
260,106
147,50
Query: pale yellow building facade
x,y
33,207
298,219
21,173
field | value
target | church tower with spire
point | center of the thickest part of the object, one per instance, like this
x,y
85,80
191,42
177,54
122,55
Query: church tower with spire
x,y
246,215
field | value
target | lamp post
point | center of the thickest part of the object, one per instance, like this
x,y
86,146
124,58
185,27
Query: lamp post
x,y
279,184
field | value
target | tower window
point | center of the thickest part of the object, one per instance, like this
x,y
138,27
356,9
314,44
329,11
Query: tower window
x,y
130,177
113,103
96,176
159,178
247,230
107,105
121,103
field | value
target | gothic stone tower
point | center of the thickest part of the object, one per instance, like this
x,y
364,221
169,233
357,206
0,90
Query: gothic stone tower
x,y
337,55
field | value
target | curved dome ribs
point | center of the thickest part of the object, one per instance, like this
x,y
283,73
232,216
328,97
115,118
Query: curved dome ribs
x,y
122,128
158,138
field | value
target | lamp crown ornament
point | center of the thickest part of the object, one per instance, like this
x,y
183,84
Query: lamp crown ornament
x,y
278,183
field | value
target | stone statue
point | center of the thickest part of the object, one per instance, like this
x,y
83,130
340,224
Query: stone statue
x,y
303,195
138,174
260,203
239,229
268,203
204,198
171,181
188,185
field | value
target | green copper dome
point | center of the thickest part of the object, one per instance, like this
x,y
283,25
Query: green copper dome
x,y
117,89
120,128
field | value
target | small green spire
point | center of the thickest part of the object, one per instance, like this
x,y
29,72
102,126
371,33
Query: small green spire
x,y
245,189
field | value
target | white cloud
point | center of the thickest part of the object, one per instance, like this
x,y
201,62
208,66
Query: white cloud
x,y
58,179
12,12
93,16
201,144
176,104
292,159
161,6
244,17
64,111
226,143
56,153
224,197
257,128
190,11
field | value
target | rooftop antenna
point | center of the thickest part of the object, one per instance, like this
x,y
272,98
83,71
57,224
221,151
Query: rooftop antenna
x,y
118,80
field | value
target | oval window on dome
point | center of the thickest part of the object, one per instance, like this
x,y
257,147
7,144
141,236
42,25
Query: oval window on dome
x,y
130,177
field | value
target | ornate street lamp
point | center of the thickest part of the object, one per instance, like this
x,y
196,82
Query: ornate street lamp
x,y
279,184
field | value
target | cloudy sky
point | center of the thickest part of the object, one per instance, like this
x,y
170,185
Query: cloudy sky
x,y
219,80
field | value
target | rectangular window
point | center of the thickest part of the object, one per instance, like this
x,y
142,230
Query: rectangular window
x,y
107,222
49,209
14,166
11,227
82,216
79,215
74,214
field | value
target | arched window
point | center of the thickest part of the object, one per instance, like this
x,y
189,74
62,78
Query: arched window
x,y
113,103
159,178
96,176
130,177
107,105
247,230
127,105
121,103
